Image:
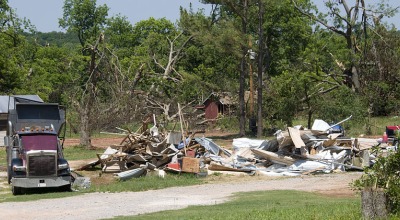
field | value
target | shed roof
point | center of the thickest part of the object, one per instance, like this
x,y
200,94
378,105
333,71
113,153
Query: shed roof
x,y
224,97
8,102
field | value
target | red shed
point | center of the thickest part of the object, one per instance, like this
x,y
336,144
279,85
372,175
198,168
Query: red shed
x,y
216,104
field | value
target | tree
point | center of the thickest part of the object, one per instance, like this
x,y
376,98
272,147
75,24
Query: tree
x,y
213,52
360,51
162,46
282,35
381,76
351,23
120,32
240,10
86,20
48,74
12,45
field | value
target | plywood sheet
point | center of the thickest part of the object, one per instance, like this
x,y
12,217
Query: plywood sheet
x,y
296,137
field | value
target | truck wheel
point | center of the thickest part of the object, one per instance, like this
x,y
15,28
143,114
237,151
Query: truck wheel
x,y
16,190
66,188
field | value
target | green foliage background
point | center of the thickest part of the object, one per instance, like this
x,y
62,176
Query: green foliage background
x,y
302,72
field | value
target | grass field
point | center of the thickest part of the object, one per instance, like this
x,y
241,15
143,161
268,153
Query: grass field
x,y
3,158
149,182
268,205
107,183
80,153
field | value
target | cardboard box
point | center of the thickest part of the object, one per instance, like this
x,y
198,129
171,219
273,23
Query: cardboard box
x,y
190,165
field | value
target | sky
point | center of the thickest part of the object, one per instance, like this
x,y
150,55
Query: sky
x,y
44,14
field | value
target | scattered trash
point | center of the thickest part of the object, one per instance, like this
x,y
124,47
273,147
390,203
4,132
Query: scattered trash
x,y
79,181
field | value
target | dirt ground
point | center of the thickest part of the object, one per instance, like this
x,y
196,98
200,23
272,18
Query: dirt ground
x,y
224,139
96,142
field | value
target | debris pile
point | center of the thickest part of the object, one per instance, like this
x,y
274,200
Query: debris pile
x,y
294,151
322,149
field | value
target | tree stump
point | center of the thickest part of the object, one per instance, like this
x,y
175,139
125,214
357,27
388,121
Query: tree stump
x,y
374,204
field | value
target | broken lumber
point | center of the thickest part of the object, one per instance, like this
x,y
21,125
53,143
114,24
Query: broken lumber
x,y
274,157
296,137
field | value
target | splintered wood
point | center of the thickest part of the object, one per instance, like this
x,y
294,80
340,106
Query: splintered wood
x,y
151,150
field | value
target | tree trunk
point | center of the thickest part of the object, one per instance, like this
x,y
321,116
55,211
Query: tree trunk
x,y
355,79
88,101
242,119
85,129
374,204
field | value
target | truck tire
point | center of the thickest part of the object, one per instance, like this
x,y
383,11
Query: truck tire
x,y
66,188
16,190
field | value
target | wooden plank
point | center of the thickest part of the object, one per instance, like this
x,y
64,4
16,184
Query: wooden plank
x,y
218,167
276,158
296,137
314,170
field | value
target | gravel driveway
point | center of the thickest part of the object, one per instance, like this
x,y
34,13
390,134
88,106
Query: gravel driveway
x,y
107,205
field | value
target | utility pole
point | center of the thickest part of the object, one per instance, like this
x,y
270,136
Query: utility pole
x,y
252,119
260,69
251,57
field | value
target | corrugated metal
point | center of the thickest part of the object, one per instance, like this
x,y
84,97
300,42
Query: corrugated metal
x,y
135,173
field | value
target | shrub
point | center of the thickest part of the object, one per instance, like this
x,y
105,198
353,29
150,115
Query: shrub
x,y
384,174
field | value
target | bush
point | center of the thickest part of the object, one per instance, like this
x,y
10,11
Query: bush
x,y
384,174
229,123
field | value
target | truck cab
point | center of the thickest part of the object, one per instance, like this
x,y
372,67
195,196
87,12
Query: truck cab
x,y
34,145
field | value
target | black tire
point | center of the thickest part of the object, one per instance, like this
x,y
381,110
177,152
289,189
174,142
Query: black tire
x,y
16,190
66,188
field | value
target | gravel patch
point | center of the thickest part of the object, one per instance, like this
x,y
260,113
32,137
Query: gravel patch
x,y
108,205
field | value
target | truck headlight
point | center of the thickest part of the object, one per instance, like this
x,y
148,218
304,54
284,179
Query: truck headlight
x,y
63,166
19,168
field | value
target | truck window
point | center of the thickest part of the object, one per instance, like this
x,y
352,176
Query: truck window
x,y
38,112
39,142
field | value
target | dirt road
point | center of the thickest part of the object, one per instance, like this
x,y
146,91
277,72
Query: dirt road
x,y
107,205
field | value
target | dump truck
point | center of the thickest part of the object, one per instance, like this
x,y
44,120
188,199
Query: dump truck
x,y
34,139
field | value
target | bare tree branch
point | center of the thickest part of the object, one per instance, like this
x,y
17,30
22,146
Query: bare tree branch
x,y
332,28
319,92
